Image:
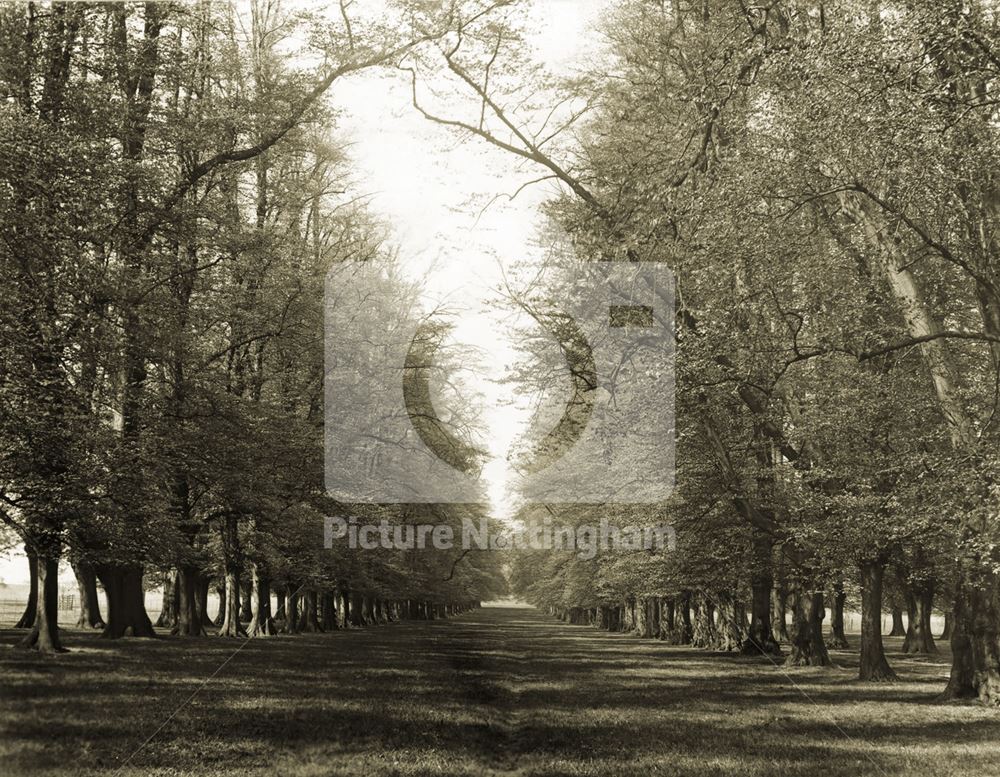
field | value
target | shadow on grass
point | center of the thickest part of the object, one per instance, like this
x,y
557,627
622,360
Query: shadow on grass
x,y
492,692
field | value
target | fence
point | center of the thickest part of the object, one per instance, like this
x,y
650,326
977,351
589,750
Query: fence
x,y
12,606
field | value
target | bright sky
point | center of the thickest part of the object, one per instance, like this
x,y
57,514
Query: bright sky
x,y
430,189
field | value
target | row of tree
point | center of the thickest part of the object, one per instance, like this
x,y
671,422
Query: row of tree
x,y
823,179
171,201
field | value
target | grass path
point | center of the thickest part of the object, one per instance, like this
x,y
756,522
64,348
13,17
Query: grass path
x,y
495,691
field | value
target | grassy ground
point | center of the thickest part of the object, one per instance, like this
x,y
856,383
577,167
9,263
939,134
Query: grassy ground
x,y
496,691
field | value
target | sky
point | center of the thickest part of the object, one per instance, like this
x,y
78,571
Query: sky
x,y
430,188
442,197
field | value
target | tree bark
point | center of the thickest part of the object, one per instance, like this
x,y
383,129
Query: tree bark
x,y
898,629
308,621
291,625
356,611
975,642
670,632
703,631
912,621
90,605
168,604
807,645
760,636
220,592
230,600
261,623
44,634
279,610
204,588
732,627
920,603
687,627
653,617
628,618
190,613
29,616
344,607
838,637
642,626
975,669
246,603
126,601
328,611
231,626
779,614
874,667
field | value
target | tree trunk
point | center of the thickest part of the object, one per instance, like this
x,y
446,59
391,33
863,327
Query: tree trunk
x,y
344,609
732,627
232,562
703,632
291,625
220,613
807,645
246,603
919,603
687,627
975,648
925,609
912,621
653,617
641,620
838,638
29,616
90,605
898,629
168,604
948,620
874,666
760,636
359,610
190,613
308,621
204,588
231,626
279,610
44,634
328,611
628,618
261,623
670,632
779,614
126,601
